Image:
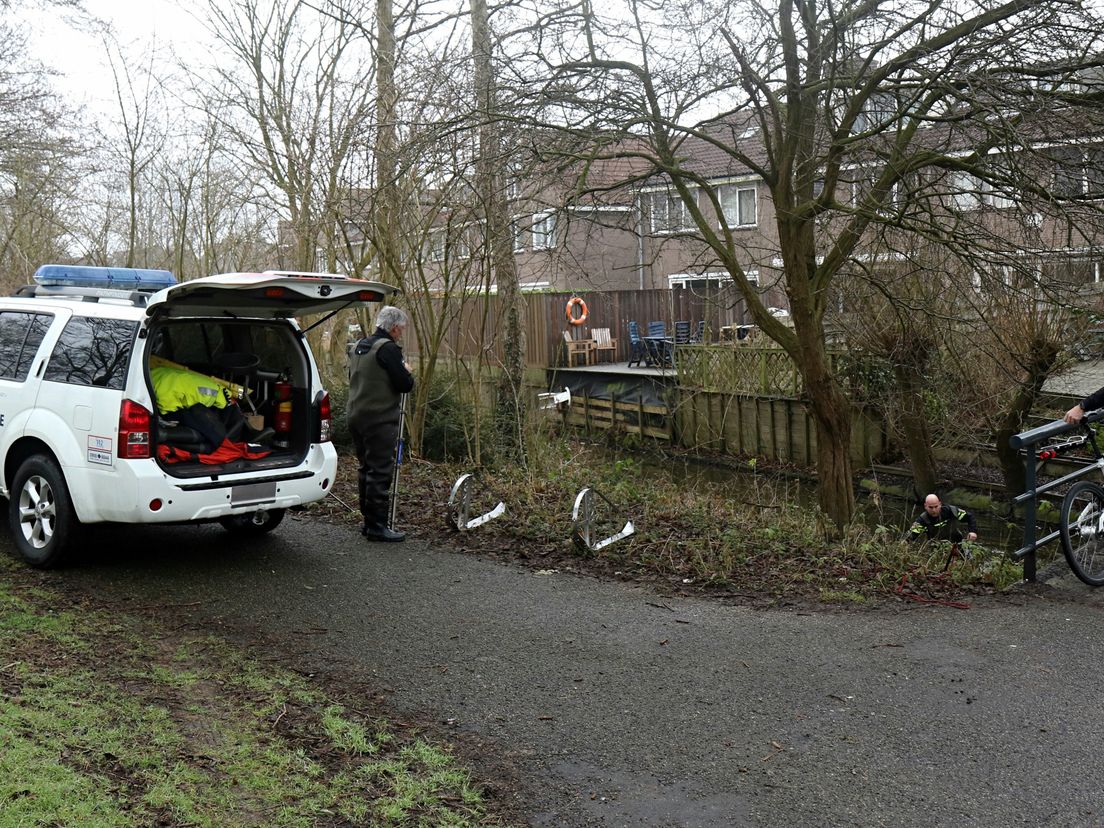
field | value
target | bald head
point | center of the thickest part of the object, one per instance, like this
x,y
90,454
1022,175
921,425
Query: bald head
x,y
932,505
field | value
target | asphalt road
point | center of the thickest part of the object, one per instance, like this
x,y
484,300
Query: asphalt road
x,y
622,708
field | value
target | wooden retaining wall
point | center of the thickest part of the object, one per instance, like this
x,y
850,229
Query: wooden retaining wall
x,y
627,417
776,427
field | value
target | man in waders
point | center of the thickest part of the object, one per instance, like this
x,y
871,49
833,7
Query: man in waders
x,y
378,377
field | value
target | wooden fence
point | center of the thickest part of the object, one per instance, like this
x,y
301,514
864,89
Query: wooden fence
x,y
474,325
741,368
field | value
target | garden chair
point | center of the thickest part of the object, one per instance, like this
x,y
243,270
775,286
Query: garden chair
x,y
578,348
682,333
661,350
603,343
637,351
698,336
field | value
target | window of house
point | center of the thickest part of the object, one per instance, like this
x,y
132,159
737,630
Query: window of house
x,y
1069,171
995,197
544,231
1094,172
462,245
965,191
669,213
861,187
436,242
1003,168
92,352
998,277
518,235
1071,272
738,203
20,336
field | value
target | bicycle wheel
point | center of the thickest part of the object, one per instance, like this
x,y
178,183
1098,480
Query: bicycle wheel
x,y
1082,530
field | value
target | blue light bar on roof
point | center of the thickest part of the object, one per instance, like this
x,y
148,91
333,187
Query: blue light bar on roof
x,y
121,278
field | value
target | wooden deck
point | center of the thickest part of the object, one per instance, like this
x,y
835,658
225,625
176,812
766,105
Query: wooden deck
x,y
619,368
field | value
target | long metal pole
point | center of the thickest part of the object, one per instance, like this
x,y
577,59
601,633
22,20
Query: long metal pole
x,y
394,505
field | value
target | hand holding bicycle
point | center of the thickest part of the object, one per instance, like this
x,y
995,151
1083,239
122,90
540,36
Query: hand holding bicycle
x,y
1074,415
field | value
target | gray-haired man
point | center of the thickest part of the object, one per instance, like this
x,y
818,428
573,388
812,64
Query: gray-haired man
x,y
378,377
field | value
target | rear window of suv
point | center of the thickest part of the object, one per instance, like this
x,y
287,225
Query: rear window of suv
x,y
20,335
92,352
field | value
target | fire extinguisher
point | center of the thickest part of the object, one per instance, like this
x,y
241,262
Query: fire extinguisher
x,y
282,422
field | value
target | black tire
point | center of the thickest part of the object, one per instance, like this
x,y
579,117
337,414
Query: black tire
x,y
1082,529
40,512
254,523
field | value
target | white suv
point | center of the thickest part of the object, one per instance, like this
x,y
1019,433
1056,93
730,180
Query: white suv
x,y
84,437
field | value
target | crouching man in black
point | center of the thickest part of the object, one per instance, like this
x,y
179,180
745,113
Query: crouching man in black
x,y
378,377
939,521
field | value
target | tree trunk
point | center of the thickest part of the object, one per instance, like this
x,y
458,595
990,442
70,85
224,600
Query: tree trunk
x,y
831,412
510,406
385,207
914,430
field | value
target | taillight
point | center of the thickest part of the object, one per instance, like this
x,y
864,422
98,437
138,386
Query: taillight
x,y
324,418
134,431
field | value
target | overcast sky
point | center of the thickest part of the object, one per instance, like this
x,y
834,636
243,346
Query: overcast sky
x,y
74,48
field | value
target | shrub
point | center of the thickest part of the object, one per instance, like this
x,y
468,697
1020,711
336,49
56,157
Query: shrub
x,y
450,422
339,428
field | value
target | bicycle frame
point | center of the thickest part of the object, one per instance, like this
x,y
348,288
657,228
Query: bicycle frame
x,y
1029,440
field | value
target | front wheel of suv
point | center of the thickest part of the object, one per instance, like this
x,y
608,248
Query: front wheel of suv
x,y
40,512
254,523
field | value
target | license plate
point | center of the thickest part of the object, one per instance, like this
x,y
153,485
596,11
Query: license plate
x,y
252,493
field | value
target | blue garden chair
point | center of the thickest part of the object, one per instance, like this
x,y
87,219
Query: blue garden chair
x,y
661,350
637,351
682,333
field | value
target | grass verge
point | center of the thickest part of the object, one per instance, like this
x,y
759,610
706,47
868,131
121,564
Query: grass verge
x,y
110,720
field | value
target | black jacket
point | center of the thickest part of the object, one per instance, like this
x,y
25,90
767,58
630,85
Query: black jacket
x,y
1094,401
931,528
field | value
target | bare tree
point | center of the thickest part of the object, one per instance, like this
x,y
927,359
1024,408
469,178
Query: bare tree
x,y
841,111
38,162
139,139
295,106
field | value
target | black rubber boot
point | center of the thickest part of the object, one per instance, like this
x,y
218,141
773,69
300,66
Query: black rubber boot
x,y
381,533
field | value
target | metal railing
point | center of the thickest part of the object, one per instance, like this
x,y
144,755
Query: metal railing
x,y
1027,441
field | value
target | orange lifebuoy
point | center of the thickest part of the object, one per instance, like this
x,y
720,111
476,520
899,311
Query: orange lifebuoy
x,y
576,302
